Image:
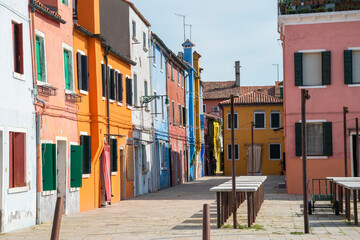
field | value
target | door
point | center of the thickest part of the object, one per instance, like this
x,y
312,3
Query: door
x,y
257,160
137,173
61,171
122,174
354,160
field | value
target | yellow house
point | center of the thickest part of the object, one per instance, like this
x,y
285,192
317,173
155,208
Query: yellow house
x,y
196,57
266,112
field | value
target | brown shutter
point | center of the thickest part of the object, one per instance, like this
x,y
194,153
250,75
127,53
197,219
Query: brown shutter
x,y
19,159
20,48
11,160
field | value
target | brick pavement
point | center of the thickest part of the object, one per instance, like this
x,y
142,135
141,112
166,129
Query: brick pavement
x,y
176,213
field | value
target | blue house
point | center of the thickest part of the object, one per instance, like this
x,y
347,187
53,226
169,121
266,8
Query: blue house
x,y
160,168
190,88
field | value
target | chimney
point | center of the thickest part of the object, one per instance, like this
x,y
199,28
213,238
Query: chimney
x,y
180,55
237,73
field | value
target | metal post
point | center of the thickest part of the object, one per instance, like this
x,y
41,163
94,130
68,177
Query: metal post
x,y
304,96
356,167
233,161
345,111
252,150
206,222
55,232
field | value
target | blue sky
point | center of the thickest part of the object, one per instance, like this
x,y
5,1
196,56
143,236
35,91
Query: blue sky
x,y
223,32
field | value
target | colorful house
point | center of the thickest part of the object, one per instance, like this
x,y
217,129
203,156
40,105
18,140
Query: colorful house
x,y
327,65
265,111
17,121
213,144
190,103
128,32
103,117
59,171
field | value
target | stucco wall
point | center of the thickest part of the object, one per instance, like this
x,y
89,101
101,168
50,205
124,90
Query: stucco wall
x,y
17,210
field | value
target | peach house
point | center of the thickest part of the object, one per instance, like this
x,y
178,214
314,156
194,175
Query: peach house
x,y
321,53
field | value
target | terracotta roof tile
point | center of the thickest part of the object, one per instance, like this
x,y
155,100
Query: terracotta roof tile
x,y
40,4
254,97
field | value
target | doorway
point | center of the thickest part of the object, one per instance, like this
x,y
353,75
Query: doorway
x,y
257,159
354,149
122,173
61,171
137,173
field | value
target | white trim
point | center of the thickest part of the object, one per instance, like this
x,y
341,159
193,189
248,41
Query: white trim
x,y
84,133
316,157
86,175
19,76
312,51
26,188
227,152
237,123
275,112
312,87
81,52
353,85
17,129
119,103
111,100
84,92
42,35
70,92
354,48
113,173
70,49
74,189
47,193
277,159
314,120
260,112
103,98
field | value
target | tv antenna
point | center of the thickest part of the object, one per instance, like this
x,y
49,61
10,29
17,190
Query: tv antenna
x,y
183,16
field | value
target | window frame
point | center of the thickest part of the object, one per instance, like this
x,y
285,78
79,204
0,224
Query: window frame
x,y
18,50
155,106
259,112
179,114
228,127
229,148
44,74
154,54
133,26
117,72
85,175
275,112
69,49
66,2
145,42
173,111
274,159
135,92
204,108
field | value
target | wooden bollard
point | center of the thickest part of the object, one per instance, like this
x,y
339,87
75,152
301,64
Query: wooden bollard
x,y
206,222
55,232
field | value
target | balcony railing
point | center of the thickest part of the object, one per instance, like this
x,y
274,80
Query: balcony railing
x,y
316,6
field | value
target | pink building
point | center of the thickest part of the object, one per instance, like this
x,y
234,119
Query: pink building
x,y
321,53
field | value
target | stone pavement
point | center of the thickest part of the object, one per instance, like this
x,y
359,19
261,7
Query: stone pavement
x,y
176,213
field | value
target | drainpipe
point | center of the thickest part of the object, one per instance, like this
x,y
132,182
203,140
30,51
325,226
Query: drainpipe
x,y
38,116
107,50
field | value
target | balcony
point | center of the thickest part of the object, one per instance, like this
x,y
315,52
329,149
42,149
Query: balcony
x,y
287,7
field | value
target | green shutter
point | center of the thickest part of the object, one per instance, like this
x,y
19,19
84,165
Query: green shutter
x,y
328,150
298,69
48,154
76,162
326,67
85,141
66,70
112,84
348,74
113,155
298,139
281,93
38,60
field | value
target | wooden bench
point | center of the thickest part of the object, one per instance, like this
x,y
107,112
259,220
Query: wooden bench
x,y
250,188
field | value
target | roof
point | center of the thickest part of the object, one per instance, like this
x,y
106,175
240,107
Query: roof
x,y
188,43
137,12
223,89
254,98
40,7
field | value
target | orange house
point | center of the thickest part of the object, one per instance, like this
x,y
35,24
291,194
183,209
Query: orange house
x,y
103,117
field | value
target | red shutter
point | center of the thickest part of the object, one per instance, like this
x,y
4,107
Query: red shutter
x,y
19,160
11,160
20,48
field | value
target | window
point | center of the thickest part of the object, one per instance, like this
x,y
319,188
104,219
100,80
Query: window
x,y
17,159
113,155
129,91
236,152
69,83
143,158
66,2
83,71
162,155
319,139
312,68
155,105
76,171
119,87
162,109
204,108
172,72
154,54
216,109
75,8
259,120
179,109
103,78
40,59
135,90
352,66
173,111
184,116
48,155
182,79
146,90
133,29
274,151
85,142
178,77
144,40
112,84
17,32
235,120
161,60
275,120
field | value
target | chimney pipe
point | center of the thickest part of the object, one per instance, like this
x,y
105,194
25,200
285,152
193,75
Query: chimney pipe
x,y
237,73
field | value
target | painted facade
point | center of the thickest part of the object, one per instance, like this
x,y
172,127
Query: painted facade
x,y
266,112
336,48
90,71
17,125
213,144
53,42
128,31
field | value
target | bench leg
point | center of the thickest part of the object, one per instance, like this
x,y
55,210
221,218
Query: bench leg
x,y
355,207
340,192
218,209
222,209
347,204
